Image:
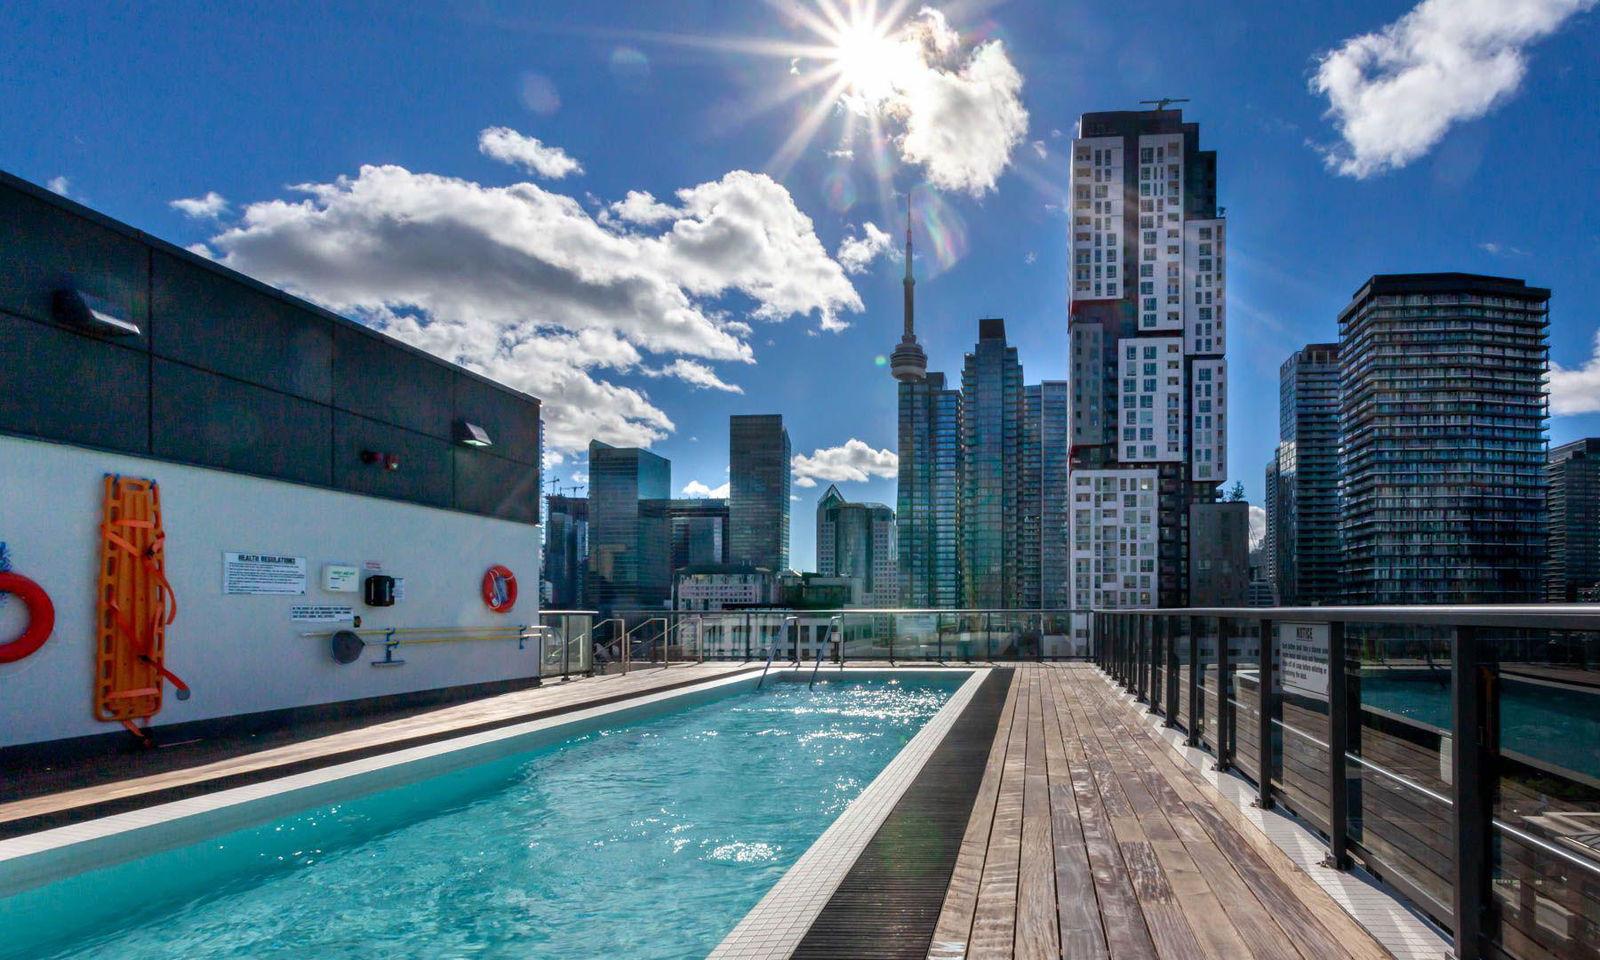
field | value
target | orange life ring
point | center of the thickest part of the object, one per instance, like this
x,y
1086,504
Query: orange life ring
x,y
41,616
499,588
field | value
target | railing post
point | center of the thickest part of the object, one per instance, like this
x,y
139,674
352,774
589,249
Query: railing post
x,y
1268,712
1146,651
1194,719
1136,627
1474,743
1158,642
1225,714
1338,746
1171,672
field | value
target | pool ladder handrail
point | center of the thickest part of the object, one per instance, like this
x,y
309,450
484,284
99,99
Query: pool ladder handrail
x,y
772,651
627,652
822,648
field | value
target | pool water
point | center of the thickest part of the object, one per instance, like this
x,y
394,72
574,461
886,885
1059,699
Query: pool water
x,y
650,839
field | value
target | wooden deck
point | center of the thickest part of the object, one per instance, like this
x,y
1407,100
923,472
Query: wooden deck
x,y
1090,838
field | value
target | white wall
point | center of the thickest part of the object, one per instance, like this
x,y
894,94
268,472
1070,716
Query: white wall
x,y
242,654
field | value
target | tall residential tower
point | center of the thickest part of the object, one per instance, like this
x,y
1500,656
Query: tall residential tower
x,y
1303,511
1147,332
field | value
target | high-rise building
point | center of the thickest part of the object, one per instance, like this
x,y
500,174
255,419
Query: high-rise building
x,y
1147,332
1220,554
1272,550
991,480
1044,566
1573,563
929,496
624,543
1442,413
683,533
758,498
566,550
858,540
1303,510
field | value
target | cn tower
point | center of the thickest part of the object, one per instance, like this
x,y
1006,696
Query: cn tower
x,y
908,363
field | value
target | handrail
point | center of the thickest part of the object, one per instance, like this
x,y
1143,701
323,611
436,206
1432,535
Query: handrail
x,y
772,651
627,652
833,627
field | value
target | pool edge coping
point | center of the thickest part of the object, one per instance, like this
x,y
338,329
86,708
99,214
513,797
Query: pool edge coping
x,y
774,927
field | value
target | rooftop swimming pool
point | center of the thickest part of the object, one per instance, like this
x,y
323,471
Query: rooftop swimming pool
x,y
646,837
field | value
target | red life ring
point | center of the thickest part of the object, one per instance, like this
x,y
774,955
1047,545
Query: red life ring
x,y
41,616
499,588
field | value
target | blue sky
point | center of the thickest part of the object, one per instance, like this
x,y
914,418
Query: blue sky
x,y
742,282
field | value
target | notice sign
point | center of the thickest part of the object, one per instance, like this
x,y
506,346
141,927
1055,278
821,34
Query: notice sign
x,y
256,574
321,614
1303,658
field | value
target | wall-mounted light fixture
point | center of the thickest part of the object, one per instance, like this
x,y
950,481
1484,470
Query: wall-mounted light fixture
x,y
472,435
92,313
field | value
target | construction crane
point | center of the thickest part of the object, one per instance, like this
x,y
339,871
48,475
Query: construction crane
x,y
1162,103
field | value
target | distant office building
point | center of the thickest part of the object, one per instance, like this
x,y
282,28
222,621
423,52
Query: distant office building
x,y
566,551
1572,569
929,496
991,480
1219,554
859,540
625,572
1260,592
1147,332
683,533
1273,537
1443,464
758,499
1044,566
724,587
816,591
1303,500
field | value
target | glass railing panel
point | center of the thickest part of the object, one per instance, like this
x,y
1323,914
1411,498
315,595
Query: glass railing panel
x,y
1246,700
1302,773
1399,757
1546,861
1209,715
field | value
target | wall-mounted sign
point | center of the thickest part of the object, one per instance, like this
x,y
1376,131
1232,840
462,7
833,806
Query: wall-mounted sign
x,y
321,614
1303,658
341,577
255,574
399,589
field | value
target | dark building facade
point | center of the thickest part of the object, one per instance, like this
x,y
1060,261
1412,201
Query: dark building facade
x,y
1219,554
991,481
627,545
758,491
1303,514
929,496
1573,564
1044,566
1442,413
566,550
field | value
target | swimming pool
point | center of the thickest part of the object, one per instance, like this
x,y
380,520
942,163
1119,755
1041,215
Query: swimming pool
x,y
645,838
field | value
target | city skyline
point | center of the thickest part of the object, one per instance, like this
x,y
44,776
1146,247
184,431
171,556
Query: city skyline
x,y
1476,192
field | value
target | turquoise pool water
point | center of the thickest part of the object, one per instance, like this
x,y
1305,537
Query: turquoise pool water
x,y
1558,725
649,839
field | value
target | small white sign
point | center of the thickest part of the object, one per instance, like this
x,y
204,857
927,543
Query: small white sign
x,y
321,614
256,574
1303,658
340,577
399,589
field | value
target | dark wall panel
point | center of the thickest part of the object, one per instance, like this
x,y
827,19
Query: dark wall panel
x,y
204,418
486,483
425,472
375,378
512,422
65,386
210,321
44,247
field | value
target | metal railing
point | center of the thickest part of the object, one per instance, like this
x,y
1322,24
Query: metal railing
x,y
893,635
1452,751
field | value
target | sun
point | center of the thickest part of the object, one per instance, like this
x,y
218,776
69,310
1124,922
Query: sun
x,y
868,60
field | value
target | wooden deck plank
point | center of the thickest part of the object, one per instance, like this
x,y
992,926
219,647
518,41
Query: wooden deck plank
x,y
994,925
954,927
1077,906
1038,937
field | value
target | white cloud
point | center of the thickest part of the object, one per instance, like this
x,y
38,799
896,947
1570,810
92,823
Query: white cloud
x,y
853,461
523,285
1258,526
641,208
855,253
59,185
1393,94
519,150
208,207
1039,149
696,373
1502,249
1576,390
694,488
